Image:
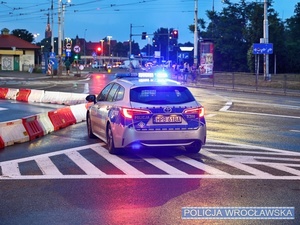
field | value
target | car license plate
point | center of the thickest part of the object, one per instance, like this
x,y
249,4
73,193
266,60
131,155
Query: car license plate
x,y
167,119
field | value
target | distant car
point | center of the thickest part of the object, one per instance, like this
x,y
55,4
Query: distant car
x,y
131,112
95,65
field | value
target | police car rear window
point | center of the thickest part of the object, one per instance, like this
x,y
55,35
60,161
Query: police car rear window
x,y
161,95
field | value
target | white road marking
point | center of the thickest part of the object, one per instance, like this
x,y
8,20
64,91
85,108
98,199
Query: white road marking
x,y
295,130
10,169
47,166
247,125
117,161
238,165
202,166
263,114
2,109
84,164
226,107
162,165
229,104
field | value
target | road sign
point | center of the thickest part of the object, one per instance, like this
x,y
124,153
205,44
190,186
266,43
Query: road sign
x,y
52,55
263,48
76,49
183,55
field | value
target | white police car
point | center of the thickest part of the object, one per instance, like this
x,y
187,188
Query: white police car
x,y
146,110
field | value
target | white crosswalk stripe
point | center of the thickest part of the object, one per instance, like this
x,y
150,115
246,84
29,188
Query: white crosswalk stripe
x,y
84,164
216,160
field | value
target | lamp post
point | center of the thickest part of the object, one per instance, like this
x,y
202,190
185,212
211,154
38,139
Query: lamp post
x,y
101,52
84,48
266,40
196,34
61,9
102,47
109,38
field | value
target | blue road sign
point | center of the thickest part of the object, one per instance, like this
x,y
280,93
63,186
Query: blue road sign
x,y
183,55
52,55
262,48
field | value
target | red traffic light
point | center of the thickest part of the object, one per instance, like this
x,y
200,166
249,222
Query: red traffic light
x,y
98,50
175,34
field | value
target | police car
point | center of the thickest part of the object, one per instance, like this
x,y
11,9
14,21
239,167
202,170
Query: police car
x,y
146,109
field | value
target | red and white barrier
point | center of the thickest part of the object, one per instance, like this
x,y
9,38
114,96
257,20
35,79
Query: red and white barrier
x,y
76,99
36,96
79,112
62,118
13,132
32,127
51,97
23,95
3,93
45,123
12,93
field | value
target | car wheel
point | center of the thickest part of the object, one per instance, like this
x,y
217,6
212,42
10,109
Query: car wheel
x,y
89,127
110,141
194,148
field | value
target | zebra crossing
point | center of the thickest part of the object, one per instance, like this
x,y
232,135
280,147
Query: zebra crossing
x,y
217,160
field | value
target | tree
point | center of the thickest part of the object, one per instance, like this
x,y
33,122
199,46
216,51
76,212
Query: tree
x,y
163,42
293,41
23,34
236,28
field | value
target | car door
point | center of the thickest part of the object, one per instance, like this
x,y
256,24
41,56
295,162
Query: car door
x,y
104,107
97,115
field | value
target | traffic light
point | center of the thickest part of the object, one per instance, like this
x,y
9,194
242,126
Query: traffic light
x,y
175,34
144,35
76,57
98,50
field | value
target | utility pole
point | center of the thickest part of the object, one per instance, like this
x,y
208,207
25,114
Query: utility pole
x,y
266,40
52,38
59,28
130,39
196,34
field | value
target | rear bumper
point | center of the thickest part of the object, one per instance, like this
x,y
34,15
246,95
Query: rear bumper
x,y
131,136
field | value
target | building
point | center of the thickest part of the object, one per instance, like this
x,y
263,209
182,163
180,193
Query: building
x,y
16,54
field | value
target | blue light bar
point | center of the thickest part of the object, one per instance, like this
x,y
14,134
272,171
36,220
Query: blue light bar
x,y
146,75
161,74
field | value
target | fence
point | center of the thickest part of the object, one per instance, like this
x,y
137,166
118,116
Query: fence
x,y
288,84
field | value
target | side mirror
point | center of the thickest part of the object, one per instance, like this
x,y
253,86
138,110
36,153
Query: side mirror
x,y
91,98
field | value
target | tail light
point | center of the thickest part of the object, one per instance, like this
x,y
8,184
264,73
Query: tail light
x,y
198,110
129,112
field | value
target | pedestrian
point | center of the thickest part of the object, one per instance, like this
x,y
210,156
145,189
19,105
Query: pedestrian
x,y
194,72
67,64
186,71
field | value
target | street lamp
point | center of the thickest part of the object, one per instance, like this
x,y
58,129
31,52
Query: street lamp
x,y
61,19
267,76
109,38
84,48
36,36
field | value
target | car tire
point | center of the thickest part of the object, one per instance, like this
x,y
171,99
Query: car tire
x,y
194,148
89,127
110,141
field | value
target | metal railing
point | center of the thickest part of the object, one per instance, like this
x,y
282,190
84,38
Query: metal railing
x,y
288,84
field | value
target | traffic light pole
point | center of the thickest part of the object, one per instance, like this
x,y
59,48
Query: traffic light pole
x,y
267,76
130,39
196,34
